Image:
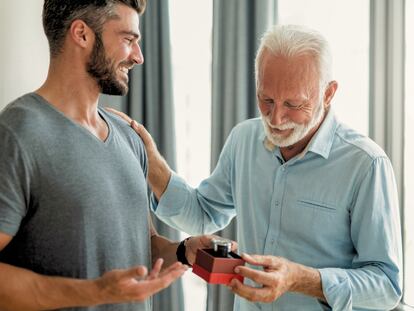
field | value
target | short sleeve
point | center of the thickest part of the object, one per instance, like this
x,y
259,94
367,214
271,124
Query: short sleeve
x,y
14,183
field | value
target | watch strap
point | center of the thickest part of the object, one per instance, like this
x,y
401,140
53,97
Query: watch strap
x,y
181,252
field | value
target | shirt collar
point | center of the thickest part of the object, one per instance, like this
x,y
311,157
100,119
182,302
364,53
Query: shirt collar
x,y
321,142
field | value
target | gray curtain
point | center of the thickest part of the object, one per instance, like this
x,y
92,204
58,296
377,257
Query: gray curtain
x,y
150,101
237,28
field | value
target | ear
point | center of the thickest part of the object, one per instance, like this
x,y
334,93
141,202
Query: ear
x,y
329,93
81,34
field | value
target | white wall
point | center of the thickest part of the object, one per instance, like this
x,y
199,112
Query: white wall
x,y
24,52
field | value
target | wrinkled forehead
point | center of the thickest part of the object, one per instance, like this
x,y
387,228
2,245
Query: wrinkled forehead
x,y
278,72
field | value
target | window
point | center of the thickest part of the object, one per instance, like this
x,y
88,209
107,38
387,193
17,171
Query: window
x,y
349,43
191,56
409,156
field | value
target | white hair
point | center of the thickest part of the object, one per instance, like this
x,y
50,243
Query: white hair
x,y
294,40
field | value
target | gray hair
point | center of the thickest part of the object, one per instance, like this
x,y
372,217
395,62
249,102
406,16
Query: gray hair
x,y
294,40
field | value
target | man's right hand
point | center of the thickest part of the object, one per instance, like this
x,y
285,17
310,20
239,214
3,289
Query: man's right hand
x,y
136,285
26,290
159,173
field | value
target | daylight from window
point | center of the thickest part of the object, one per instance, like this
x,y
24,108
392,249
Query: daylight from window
x,y
350,50
191,57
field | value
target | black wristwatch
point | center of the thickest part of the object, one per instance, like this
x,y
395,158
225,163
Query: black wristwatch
x,y
181,252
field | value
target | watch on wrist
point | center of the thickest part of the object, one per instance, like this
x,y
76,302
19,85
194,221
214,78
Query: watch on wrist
x,y
181,252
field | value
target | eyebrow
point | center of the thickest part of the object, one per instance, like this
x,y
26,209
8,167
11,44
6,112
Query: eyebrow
x,y
130,33
294,99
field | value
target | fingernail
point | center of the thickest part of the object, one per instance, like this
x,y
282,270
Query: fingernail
x,y
237,270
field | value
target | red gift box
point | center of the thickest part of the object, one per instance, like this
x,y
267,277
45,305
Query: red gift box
x,y
217,270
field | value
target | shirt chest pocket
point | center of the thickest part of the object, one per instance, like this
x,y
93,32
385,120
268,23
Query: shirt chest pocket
x,y
316,205
306,217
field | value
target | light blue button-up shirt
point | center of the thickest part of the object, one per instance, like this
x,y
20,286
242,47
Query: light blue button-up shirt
x,y
333,207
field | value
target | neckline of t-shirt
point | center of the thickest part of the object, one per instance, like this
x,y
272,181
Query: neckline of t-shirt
x,y
105,142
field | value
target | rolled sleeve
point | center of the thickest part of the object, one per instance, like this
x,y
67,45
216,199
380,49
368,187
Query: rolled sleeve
x,y
185,208
205,209
173,198
367,287
374,278
336,288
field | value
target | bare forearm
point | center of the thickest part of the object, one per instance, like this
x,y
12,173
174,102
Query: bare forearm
x,y
26,290
163,248
159,174
308,282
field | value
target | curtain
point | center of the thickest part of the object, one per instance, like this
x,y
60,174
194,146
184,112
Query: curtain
x,y
150,102
237,28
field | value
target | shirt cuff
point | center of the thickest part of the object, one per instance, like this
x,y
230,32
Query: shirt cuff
x,y
173,198
336,288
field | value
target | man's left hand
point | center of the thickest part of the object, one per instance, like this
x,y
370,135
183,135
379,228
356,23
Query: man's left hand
x,y
202,241
278,277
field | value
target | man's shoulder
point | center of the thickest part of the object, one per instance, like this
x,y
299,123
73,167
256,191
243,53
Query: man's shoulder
x,y
118,123
249,128
22,115
246,134
359,143
122,128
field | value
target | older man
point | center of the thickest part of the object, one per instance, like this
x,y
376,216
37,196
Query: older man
x,y
315,201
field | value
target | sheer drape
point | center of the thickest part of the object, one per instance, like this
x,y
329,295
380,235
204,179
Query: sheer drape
x,y
237,28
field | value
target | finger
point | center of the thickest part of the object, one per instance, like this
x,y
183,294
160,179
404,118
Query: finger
x,y
142,131
120,114
156,269
138,272
250,293
260,260
171,275
165,280
208,238
147,288
234,246
139,128
260,277
203,241
175,266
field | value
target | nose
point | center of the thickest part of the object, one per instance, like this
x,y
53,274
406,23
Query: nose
x,y
277,115
137,56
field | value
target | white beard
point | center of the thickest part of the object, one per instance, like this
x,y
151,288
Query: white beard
x,y
299,130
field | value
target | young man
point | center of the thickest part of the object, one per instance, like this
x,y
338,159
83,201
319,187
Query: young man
x,y
74,229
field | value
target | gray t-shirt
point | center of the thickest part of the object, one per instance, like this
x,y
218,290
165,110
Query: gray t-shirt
x,y
76,206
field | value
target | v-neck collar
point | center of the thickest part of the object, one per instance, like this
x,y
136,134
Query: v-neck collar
x,y
106,141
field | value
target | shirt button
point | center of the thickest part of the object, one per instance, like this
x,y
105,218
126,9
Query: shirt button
x,y
277,203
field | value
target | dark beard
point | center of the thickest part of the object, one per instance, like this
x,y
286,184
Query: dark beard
x,y
102,70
